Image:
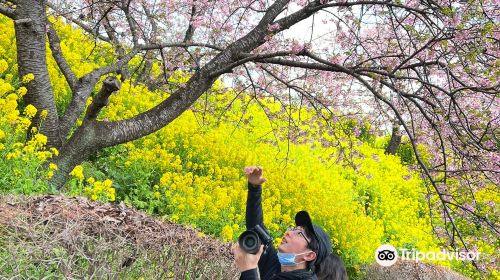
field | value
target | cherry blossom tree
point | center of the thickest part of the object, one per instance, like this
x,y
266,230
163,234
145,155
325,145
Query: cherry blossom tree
x,y
427,70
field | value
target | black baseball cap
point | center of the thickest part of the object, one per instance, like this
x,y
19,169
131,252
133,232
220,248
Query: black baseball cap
x,y
324,247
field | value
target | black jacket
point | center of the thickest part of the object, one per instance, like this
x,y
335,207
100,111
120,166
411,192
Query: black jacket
x,y
269,266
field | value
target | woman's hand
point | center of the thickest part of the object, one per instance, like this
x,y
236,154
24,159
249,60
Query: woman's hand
x,y
255,175
246,261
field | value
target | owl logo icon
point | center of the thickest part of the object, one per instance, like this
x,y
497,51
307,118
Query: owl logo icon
x,y
386,255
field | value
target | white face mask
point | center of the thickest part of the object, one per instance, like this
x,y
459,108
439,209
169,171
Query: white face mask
x,y
288,259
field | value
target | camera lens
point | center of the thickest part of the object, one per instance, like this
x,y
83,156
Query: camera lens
x,y
249,241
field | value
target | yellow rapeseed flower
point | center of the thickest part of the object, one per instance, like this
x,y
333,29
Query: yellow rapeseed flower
x,y
3,65
43,114
12,97
54,150
22,91
227,233
5,87
8,77
44,155
78,173
108,183
41,139
22,125
52,19
17,145
111,194
30,111
28,78
12,116
52,166
13,155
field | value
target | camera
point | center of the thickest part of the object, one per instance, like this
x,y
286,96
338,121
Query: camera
x,y
251,239
386,255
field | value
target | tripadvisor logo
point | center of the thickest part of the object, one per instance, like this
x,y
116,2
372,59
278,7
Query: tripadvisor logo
x,y
387,255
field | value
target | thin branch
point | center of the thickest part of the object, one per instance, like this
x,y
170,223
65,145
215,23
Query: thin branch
x,y
180,45
80,23
54,44
493,227
424,47
249,57
115,67
131,23
190,30
311,8
144,74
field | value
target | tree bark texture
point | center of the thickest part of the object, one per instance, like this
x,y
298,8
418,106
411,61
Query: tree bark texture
x,y
30,27
395,141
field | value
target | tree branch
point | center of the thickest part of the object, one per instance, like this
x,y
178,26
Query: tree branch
x,y
144,75
87,84
131,22
250,57
162,114
115,67
55,47
305,65
119,49
313,7
180,45
80,23
190,30
110,85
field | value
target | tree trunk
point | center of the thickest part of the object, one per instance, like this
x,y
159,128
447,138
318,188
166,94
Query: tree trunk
x,y
30,27
78,148
88,137
393,145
